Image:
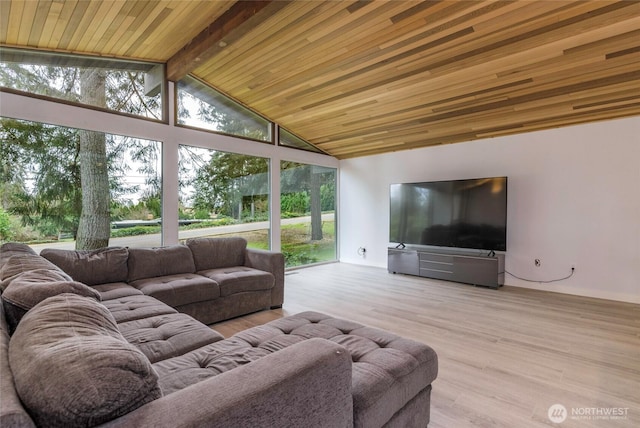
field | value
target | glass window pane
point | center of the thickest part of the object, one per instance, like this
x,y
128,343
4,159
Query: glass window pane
x,y
224,194
287,139
122,86
50,197
308,207
201,106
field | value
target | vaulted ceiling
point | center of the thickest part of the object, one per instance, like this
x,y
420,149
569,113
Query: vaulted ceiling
x,y
363,77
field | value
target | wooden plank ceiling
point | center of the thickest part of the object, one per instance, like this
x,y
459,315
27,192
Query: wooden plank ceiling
x,y
364,77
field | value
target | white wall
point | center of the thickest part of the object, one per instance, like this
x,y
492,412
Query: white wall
x,y
573,198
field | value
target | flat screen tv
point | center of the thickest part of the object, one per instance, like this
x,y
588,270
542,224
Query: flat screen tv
x,y
456,213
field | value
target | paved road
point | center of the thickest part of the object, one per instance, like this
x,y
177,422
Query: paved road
x,y
154,240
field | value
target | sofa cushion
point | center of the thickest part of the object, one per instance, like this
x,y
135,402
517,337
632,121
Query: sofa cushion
x,y
13,248
238,279
12,412
160,261
130,308
180,372
115,290
20,263
179,289
30,288
213,253
91,266
167,336
73,368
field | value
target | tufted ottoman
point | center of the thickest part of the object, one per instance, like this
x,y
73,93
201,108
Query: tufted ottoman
x,y
391,383
391,376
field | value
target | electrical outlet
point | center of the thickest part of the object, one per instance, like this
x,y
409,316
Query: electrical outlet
x,y
537,262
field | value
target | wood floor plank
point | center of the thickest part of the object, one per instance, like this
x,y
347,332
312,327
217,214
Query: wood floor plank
x,y
505,356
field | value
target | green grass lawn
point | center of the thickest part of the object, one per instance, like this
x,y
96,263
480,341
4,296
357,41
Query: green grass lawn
x,y
297,247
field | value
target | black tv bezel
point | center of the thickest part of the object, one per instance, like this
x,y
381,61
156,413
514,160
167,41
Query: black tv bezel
x,y
457,248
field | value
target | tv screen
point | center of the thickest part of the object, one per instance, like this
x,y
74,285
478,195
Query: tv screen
x,y
458,213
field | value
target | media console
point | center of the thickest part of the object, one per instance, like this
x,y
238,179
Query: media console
x,y
450,265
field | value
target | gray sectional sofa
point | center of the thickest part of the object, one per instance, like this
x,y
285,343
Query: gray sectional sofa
x,y
81,344
210,279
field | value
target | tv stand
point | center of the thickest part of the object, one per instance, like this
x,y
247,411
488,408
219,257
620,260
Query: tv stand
x,y
451,265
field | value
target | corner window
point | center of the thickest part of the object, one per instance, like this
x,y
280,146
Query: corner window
x,y
224,194
308,213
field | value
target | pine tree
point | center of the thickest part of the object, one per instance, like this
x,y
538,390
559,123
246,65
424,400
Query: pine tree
x,y
94,226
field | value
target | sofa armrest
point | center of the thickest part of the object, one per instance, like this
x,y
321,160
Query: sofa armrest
x,y
269,261
304,385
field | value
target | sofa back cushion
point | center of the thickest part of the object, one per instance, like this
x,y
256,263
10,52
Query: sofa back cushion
x,y
92,267
29,288
214,253
19,263
73,368
13,248
161,261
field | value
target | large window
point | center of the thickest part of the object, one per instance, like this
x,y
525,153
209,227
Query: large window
x,y
122,86
75,188
63,187
308,208
203,107
224,194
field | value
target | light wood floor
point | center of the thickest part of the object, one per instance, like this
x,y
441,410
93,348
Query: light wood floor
x,y
505,356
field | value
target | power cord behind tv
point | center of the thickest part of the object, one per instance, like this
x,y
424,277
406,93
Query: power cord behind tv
x,y
573,269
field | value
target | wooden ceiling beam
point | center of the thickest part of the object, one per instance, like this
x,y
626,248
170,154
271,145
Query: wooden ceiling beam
x,y
235,23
